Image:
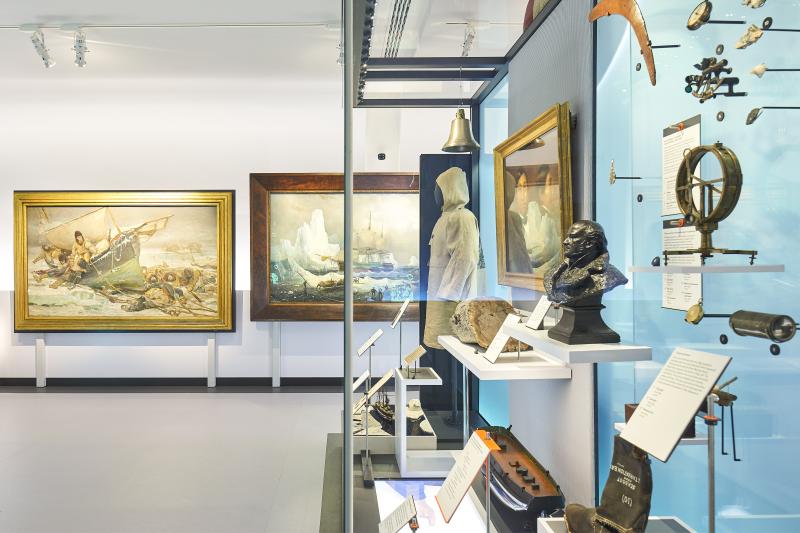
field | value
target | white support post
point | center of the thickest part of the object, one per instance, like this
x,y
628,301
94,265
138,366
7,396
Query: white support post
x,y
276,354
41,362
212,360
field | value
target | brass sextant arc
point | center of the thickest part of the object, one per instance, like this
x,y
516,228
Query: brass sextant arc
x,y
706,203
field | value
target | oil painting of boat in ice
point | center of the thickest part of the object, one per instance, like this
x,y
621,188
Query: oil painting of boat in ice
x,y
298,247
307,255
118,266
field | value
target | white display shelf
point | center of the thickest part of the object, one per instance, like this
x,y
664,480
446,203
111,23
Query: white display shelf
x,y
707,269
508,367
700,440
578,353
655,524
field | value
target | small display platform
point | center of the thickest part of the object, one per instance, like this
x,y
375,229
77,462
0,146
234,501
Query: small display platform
x,y
577,353
384,443
656,524
707,269
528,365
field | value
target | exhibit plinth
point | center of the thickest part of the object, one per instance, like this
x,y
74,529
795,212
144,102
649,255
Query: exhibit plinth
x,y
428,463
529,365
706,269
578,353
655,524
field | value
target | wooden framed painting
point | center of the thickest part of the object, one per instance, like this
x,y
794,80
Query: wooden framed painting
x,y
123,261
533,198
297,246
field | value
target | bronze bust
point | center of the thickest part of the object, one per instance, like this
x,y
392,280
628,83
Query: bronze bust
x,y
585,270
578,284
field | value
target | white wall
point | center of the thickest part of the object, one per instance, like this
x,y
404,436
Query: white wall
x,y
187,134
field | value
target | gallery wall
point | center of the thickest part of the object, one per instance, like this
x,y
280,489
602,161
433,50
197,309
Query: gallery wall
x,y
555,66
188,134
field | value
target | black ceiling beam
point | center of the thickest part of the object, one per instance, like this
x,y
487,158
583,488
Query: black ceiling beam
x,y
430,75
413,102
395,63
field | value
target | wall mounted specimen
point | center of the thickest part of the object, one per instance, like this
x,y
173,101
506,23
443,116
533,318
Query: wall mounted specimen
x,y
777,328
533,198
629,9
708,202
612,175
702,16
755,4
123,261
756,112
704,86
296,258
761,69
750,37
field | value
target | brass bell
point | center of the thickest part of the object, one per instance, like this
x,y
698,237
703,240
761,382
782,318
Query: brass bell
x,y
461,139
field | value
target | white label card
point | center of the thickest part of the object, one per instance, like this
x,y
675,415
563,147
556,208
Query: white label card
x,y
375,388
398,518
361,379
673,144
461,476
536,319
401,312
681,291
413,356
499,342
672,401
366,346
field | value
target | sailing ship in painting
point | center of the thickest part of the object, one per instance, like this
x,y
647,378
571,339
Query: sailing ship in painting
x,y
91,265
311,269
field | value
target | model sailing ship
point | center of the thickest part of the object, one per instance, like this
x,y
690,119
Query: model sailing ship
x,y
522,489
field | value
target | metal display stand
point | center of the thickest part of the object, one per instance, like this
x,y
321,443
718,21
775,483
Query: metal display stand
x,y
366,462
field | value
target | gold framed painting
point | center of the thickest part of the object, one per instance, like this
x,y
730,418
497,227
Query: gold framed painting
x,y
533,198
123,260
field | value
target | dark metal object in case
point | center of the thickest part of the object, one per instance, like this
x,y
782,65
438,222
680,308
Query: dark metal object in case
x,y
777,328
704,86
718,197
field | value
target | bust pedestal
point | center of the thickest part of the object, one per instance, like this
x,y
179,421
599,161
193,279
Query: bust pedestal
x,y
581,323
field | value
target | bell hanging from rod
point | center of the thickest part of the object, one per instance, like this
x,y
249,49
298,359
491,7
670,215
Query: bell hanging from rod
x,y
461,138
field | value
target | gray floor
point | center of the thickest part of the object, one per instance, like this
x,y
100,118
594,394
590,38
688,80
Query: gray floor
x,y
118,463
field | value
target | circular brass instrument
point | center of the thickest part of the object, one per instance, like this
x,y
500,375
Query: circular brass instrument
x,y
706,203
700,15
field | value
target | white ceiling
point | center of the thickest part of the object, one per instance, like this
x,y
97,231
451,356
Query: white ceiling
x,y
305,51
287,53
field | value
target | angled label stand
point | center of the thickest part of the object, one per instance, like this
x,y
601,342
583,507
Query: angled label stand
x,y
536,320
672,401
460,478
398,518
499,342
400,313
370,342
373,391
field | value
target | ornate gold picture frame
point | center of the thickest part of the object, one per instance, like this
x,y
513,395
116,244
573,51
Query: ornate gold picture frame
x,y
533,198
123,261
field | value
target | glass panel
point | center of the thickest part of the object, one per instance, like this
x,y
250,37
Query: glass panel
x,y
756,493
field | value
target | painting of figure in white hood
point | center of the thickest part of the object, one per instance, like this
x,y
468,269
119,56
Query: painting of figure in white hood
x,y
533,199
298,246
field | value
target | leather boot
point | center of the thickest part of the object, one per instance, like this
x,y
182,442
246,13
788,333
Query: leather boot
x,y
625,503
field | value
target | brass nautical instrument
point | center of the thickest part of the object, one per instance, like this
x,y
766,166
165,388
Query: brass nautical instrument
x,y
706,203
629,9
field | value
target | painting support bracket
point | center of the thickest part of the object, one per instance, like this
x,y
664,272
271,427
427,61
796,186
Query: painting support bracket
x,y
212,360
41,362
276,354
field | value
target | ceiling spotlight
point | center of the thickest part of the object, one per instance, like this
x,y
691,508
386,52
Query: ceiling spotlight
x,y
37,38
80,48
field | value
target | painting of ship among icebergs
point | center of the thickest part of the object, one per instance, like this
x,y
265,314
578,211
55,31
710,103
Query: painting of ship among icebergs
x,y
305,239
154,263
307,256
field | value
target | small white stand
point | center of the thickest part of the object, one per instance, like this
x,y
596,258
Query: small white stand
x,y
41,362
418,464
212,360
276,354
